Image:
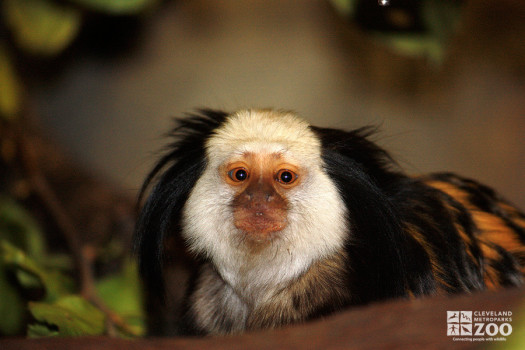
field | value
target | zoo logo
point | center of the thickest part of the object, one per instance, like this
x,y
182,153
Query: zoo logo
x,y
479,324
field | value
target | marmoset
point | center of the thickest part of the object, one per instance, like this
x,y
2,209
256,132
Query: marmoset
x,y
285,222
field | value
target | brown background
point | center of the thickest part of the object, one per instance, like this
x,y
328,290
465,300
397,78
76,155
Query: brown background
x,y
466,115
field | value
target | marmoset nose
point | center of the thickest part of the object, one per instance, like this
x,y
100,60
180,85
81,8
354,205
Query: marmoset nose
x,y
259,196
259,193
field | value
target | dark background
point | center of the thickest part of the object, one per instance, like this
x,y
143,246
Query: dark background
x,y
465,115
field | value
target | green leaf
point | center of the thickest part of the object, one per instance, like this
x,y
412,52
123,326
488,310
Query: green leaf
x,y
27,280
10,88
345,7
40,330
41,27
19,228
122,293
22,267
12,307
414,45
30,275
116,7
69,316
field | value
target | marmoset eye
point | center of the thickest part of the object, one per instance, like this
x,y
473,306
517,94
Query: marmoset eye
x,y
238,174
286,177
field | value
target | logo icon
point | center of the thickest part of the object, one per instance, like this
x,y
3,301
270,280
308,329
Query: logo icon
x,y
459,323
465,316
465,328
452,316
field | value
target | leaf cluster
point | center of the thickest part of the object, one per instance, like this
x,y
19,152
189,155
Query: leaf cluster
x,y
43,29
37,295
393,25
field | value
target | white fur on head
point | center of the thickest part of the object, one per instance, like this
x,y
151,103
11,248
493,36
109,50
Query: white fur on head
x,y
316,217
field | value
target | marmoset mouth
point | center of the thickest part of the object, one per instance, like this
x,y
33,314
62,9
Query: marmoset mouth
x,y
259,223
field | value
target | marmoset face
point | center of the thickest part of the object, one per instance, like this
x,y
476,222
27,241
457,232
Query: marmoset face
x,y
264,194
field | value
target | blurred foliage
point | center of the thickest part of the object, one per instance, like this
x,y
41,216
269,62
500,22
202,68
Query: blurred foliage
x,y
43,29
10,89
516,341
37,296
70,315
414,28
119,7
122,294
19,228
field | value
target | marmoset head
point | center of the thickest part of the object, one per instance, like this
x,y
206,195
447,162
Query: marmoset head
x,y
263,195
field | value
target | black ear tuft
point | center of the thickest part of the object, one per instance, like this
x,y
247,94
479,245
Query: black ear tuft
x,y
175,175
377,267
377,245
356,146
